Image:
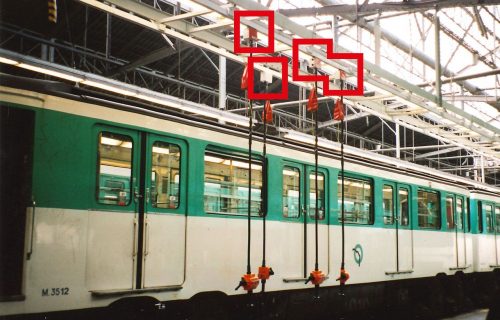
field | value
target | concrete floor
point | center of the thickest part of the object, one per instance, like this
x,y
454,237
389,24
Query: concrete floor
x,y
475,315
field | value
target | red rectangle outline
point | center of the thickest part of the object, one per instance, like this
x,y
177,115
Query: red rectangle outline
x,y
237,31
283,95
359,91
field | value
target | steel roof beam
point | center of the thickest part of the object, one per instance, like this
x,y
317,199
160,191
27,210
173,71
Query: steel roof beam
x,y
404,46
376,8
299,30
154,56
435,153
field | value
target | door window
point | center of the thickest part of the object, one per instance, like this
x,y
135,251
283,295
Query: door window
x,y
291,192
357,201
165,175
114,169
404,212
450,212
321,195
460,211
488,209
480,217
497,219
388,204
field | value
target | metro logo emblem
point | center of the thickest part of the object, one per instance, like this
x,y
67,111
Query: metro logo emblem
x,y
325,78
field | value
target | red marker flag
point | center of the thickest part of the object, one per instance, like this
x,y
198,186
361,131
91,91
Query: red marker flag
x,y
338,110
268,118
312,104
244,78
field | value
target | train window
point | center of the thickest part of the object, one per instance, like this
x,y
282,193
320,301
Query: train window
x,y
428,210
388,204
357,201
291,192
226,185
165,175
404,212
450,212
480,216
488,210
497,219
312,195
115,169
460,212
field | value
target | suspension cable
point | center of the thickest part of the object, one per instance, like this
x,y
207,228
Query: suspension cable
x,y
250,137
316,215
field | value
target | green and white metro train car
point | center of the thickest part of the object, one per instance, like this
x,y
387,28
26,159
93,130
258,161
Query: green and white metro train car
x,y
108,203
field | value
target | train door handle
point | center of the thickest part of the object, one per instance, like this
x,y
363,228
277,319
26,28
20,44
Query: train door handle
x,y
134,252
33,208
146,236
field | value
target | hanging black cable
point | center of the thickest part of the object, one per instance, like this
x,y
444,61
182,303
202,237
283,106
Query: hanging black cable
x,y
264,271
250,137
316,215
249,281
316,277
342,265
264,166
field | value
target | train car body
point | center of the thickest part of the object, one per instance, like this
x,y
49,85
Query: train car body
x,y
104,203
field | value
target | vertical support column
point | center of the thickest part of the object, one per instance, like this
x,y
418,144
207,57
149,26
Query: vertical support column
x,y
437,67
43,52
52,51
85,33
222,84
108,39
398,142
376,34
483,180
108,35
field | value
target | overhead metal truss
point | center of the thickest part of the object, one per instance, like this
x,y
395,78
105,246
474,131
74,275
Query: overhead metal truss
x,y
377,8
391,98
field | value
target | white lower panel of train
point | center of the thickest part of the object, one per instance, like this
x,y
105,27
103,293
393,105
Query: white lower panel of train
x,y
76,252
